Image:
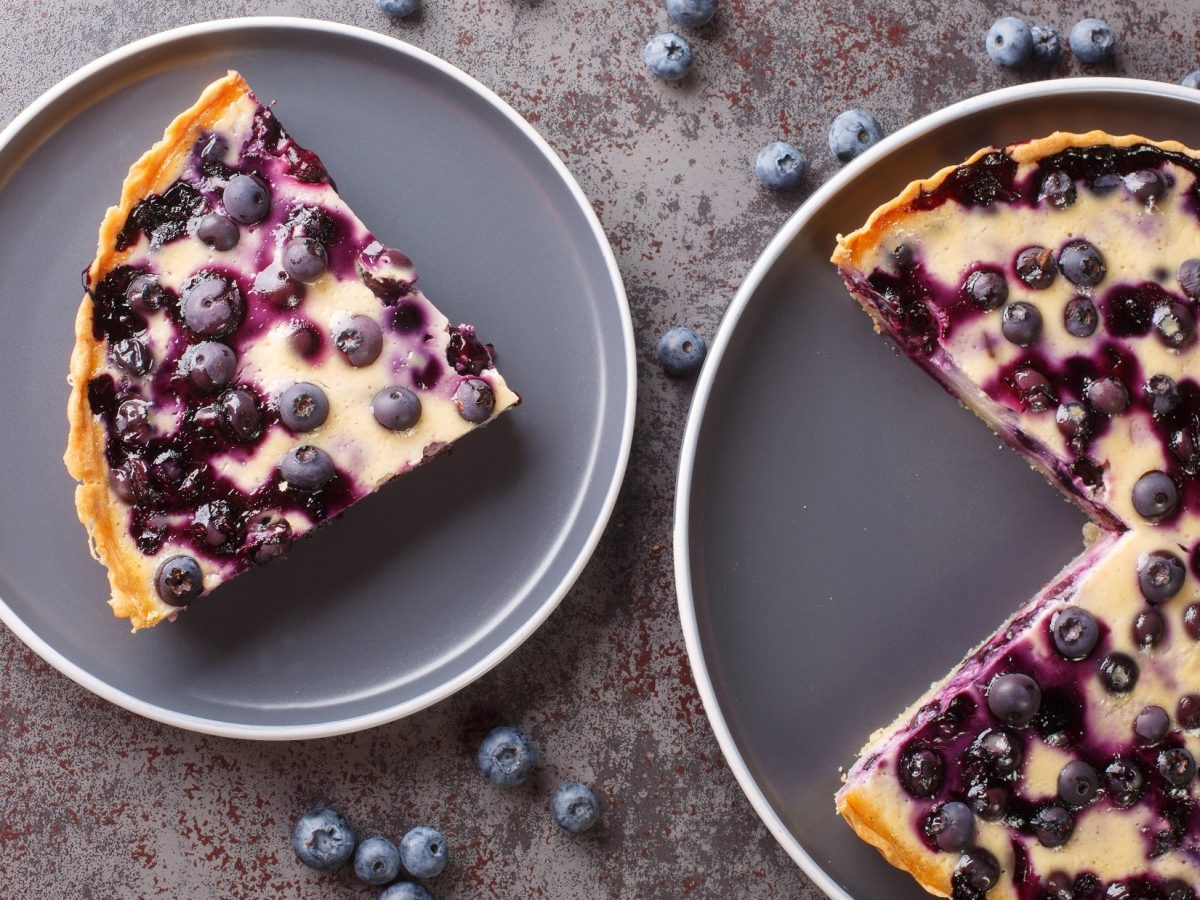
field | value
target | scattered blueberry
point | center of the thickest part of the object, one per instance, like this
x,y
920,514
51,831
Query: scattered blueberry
x,y
1082,264
215,523
1160,575
1009,42
1014,699
1148,627
1053,825
691,13
396,408
399,9
986,288
951,826
1080,317
507,756
1118,673
1124,782
681,352
1151,725
1077,784
668,56
975,873
1021,323
575,807
303,406
360,340
1036,267
304,259
1191,80
1155,496
323,839
218,231
1058,189
131,355
1092,41
852,132
178,580
1059,886
423,852
405,890
306,467
210,365
1108,395
240,413
1000,751
1174,323
247,199
990,802
1074,420
474,400
1047,45
1176,766
212,307
1034,388
376,861
780,166
1163,394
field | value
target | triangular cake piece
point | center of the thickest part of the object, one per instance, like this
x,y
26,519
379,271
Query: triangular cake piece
x,y
249,361
1052,288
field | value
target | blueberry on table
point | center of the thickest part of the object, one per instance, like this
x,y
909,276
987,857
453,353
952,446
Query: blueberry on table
x,y
406,890
507,756
399,9
423,852
323,839
681,352
668,56
575,807
376,861
247,199
691,13
852,132
1009,42
780,166
1092,41
1191,79
1047,45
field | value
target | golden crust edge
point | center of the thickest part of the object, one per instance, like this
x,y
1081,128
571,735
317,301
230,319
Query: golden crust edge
x,y
850,248
856,808
131,597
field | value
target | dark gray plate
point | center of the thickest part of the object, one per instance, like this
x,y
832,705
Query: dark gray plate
x,y
426,585
844,531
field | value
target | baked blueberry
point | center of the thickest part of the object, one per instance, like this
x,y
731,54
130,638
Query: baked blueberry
x,y
303,406
212,307
1080,317
306,467
1174,324
951,826
1075,632
211,148
474,400
1021,323
210,366
1191,621
322,839
691,13
999,750
1077,784
1034,388
1147,185
1058,189
668,56
304,259
989,802
1009,42
405,890
986,288
1177,766
853,132
1082,264
215,523
1163,394
178,580
268,537
507,756
681,352
1155,496
1074,420
1014,699
247,199
780,166
1058,886
218,231
1160,575
131,356
1108,395
1124,782
376,861
1092,41
1118,673
1047,45
240,414
1187,712
1189,277
423,852
975,873
396,408
274,285
1185,447
132,421
360,340
575,807
145,294
1036,267
1148,627
1151,725
1053,825
1177,889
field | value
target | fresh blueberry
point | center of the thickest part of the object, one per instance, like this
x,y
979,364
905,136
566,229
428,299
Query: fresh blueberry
x,y
1155,496
1163,394
145,294
951,826
1036,267
210,366
1021,323
1082,264
1148,627
1108,395
474,400
1191,80
306,467
1009,42
575,807
1080,317
681,352
247,199
1092,41
999,750
668,56
1189,277
507,756
240,414
178,580
1058,189
268,537
360,340
399,9
323,839
131,355
212,307
1077,784
1047,45
975,873
852,132
1151,725
691,13
1014,699
1176,766
1118,673
218,231
1053,825
132,421
1160,575
1074,420
304,259
376,861
423,852
1187,711
303,406
780,166
986,288
1146,185
396,408
1124,782
1174,323
405,890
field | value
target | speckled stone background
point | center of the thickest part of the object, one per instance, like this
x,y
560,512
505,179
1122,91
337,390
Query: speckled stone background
x,y
97,803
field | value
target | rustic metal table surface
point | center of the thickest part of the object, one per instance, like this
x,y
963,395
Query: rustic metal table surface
x,y
100,803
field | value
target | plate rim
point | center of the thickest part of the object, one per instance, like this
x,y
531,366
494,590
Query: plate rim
x,y
770,256
396,711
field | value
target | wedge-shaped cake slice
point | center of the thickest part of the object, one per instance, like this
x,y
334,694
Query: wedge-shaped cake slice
x,y
249,360
1052,288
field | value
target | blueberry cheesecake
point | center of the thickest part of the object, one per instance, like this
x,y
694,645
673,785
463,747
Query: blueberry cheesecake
x,y
1052,287
249,360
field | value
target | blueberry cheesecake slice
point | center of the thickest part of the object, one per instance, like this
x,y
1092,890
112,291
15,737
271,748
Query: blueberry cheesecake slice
x,y
1052,288
250,360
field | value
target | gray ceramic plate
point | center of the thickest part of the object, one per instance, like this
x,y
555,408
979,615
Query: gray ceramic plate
x,y
844,531
426,585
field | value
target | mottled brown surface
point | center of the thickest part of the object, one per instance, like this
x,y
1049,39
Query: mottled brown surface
x,y
99,803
